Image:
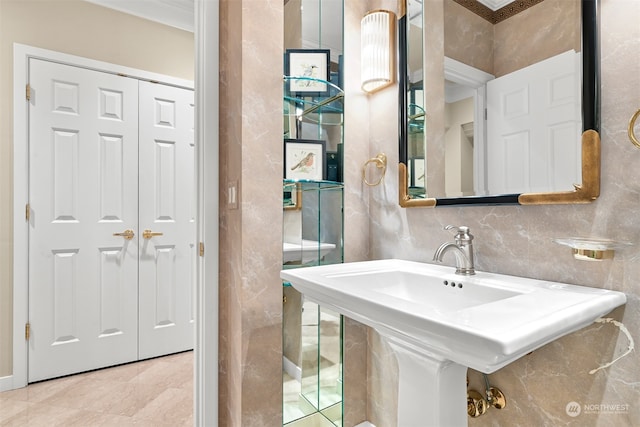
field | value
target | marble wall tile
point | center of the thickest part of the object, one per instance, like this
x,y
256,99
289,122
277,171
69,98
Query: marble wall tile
x,y
544,30
518,240
355,372
510,239
251,235
356,207
469,38
382,381
434,53
356,139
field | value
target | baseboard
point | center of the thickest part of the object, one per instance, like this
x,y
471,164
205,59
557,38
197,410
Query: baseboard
x,y
6,383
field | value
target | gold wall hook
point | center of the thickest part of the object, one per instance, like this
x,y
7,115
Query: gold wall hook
x,y
632,124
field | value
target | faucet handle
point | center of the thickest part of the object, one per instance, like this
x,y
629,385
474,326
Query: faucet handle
x,y
456,230
461,232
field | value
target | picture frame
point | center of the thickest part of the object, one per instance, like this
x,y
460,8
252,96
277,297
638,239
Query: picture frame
x,y
305,159
307,63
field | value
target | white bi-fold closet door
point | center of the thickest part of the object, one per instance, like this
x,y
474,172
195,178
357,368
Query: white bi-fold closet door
x,y
112,219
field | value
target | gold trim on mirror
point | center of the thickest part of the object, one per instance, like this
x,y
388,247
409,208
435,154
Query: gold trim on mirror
x,y
588,191
404,198
584,192
402,8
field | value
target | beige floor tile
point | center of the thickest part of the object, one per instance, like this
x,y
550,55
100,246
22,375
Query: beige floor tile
x,y
40,415
173,407
40,391
151,393
9,408
166,375
87,394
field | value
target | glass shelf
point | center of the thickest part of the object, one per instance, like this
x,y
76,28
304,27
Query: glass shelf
x,y
313,235
322,108
313,230
416,118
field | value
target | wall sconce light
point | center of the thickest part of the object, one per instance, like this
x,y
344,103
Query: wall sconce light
x,y
377,50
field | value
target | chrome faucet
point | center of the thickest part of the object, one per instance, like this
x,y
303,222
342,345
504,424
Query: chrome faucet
x,y
462,248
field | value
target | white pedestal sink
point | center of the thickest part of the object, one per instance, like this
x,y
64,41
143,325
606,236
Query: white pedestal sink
x,y
439,323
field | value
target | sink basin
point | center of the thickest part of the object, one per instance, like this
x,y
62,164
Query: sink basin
x,y
442,323
305,251
484,321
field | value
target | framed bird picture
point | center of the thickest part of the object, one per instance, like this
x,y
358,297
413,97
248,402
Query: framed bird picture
x,y
304,159
312,69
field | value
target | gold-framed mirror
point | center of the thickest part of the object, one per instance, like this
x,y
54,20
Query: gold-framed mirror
x,y
535,141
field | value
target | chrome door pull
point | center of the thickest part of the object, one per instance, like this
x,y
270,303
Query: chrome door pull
x,y
147,234
127,234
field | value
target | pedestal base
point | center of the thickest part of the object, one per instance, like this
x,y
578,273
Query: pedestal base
x,y
431,392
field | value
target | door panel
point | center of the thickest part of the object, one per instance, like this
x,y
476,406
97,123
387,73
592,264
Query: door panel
x,y
83,189
167,261
534,127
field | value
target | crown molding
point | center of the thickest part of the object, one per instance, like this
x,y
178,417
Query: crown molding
x,y
174,13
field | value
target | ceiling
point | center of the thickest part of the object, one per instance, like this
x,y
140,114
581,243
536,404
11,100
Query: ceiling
x,y
175,13
179,13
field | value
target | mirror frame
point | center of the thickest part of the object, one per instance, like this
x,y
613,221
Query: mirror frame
x,y
586,192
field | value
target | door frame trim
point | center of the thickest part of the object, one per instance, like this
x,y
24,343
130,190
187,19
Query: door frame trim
x,y
207,72
21,56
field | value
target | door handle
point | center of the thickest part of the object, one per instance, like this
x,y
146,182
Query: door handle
x,y
127,234
147,234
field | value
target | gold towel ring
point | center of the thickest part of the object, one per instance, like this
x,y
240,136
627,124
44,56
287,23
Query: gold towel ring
x,y
381,163
632,124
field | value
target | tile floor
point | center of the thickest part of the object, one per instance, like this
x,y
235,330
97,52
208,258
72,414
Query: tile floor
x,y
152,393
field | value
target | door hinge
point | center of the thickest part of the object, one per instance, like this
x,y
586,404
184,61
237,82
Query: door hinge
x,y
28,92
27,212
201,248
27,331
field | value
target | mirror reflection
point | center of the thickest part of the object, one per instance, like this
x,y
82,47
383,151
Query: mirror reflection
x,y
313,196
503,113
415,100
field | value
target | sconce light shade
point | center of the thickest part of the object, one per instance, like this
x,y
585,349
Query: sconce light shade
x,y
377,50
